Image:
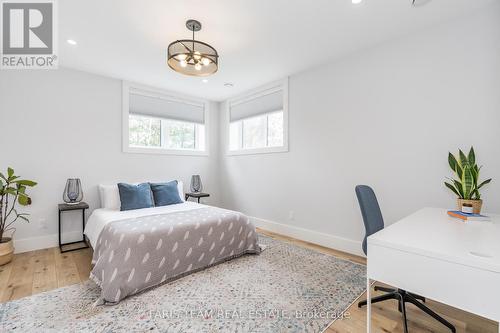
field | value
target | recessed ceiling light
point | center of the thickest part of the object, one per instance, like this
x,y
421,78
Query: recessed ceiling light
x,y
356,2
228,84
204,80
71,42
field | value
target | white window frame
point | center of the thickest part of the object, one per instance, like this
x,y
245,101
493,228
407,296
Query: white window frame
x,y
126,87
256,93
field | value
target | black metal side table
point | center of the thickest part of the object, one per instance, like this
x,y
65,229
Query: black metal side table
x,y
67,207
196,195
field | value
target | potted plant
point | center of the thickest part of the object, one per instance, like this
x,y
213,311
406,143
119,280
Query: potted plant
x,y
466,185
12,192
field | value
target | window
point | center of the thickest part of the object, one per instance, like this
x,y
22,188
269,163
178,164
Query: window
x,y
257,121
150,132
157,122
180,135
144,131
257,132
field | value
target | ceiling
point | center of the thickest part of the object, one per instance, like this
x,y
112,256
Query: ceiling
x,y
259,41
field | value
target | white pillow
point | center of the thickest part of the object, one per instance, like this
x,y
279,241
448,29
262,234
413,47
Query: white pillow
x,y
180,188
110,196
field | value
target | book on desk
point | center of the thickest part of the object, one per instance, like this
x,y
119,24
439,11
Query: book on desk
x,y
468,216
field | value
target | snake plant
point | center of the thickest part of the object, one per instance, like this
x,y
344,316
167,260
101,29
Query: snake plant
x,y
466,184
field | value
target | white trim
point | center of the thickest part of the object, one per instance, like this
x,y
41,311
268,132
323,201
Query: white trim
x,y
311,236
167,96
255,93
163,151
265,150
127,86
42,242
259,92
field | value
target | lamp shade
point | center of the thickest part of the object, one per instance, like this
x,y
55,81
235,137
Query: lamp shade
x,y
73,193
196,185
192,57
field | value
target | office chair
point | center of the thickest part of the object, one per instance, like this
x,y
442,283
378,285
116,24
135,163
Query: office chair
x,y
373,220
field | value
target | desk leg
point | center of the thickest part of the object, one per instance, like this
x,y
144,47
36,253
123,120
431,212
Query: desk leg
x,y
369,306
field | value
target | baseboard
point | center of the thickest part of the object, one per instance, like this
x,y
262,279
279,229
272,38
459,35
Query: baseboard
x,y
326,240
42,242
319,238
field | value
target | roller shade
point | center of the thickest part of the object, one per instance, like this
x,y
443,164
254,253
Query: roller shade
x,y
164,107
266,103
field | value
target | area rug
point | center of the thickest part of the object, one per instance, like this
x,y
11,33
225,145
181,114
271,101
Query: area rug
x,y
284,289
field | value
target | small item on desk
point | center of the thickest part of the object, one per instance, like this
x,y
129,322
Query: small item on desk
x,y
467,208
467,216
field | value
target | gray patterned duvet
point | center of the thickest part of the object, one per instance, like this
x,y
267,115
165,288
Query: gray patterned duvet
x,y
136,254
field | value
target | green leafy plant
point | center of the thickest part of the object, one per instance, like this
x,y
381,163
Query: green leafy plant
x,y
466,184
14,188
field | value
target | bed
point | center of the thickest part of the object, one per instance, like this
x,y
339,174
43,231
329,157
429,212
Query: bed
x,y
138,249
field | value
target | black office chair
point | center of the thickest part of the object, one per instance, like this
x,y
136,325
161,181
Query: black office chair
x,y
373,220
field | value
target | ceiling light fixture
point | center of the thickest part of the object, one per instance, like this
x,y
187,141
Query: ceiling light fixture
x,y
418,3
356,2
71,42
192,57
228,84
204,80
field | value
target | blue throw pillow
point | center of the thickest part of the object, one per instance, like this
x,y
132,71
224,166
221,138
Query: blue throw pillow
x,y
165,194
135,196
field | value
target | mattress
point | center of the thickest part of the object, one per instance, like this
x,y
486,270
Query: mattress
x,y
139,249
102,216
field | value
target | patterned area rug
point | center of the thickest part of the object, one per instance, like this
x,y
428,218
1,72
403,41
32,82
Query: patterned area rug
x,y
284,289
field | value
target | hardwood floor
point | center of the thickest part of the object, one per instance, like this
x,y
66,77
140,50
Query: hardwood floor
x,y
37,271
386,317
34,272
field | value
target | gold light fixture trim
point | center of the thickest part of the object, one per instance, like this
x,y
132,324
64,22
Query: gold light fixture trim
x,y
192,57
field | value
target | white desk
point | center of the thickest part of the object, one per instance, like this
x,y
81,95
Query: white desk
x,y
442,258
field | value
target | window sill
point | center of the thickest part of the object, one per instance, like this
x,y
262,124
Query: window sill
x,y
161,151
270,150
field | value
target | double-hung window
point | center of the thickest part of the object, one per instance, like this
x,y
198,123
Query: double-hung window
x,y
257,121
160,122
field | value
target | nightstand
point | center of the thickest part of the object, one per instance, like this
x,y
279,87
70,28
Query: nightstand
x,y
196,195
67,207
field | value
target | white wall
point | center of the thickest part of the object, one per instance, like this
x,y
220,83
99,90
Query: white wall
x,y
386,117
65,123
